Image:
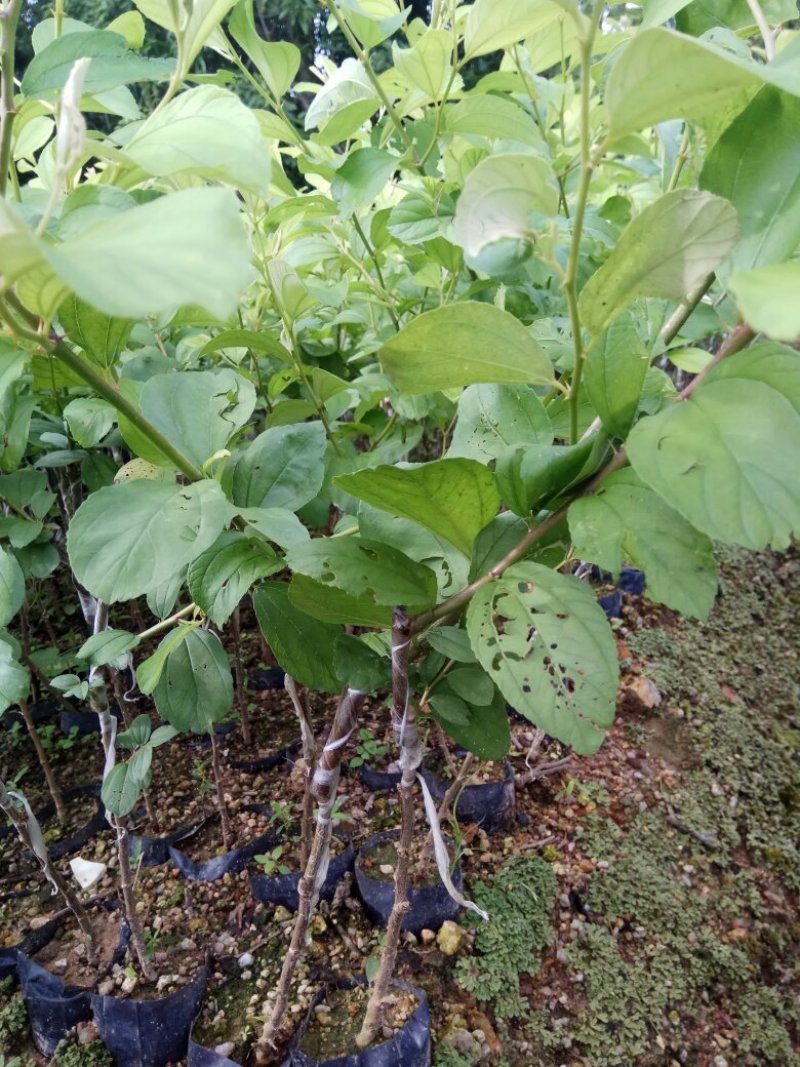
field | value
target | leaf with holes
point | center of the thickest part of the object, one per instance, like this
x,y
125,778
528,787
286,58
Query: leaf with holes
x,y
493,417
546,643
195,689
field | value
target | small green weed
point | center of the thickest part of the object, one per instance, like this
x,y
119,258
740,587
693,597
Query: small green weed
x,y
368,749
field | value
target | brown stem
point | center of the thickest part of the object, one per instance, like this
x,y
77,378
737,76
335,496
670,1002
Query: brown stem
x,y
129,898
225,819
542,770
19,822
325,781
309,758
41,755
241,697
404,714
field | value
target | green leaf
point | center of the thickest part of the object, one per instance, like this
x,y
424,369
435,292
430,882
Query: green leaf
x,y
146,260
768,299
278,524
108,646
138,733
756,165
148,673
529,476
496,204
361,178
99,335
365,568
303,646
545,642
494,24
662,75
472,684
452,642
345,101
284,467
14,679
198,23
220,577
462,344
12,587
726,459
276,61
698,18
120,790
492,417
626,521
207,132
666,251
112,64
335,605
128,539
195,689
373,20
154,257
360,667
614,375
428,65
492,117
482,729
161,735
453,498
139,766
172,402
89,420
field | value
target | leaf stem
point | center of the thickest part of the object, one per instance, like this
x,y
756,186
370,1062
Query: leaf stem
x,y
764,28
571,273
9,17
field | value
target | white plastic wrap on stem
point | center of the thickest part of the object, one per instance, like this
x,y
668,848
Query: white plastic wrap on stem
x,y
442,857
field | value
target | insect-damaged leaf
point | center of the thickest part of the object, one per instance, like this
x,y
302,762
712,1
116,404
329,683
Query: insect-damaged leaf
x,y
545,642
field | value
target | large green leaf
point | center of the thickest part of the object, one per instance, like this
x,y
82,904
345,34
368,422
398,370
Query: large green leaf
x,y
699,17
626,521
112,64
726,459
361,178
196,688
614,375
172,402
365,569
494,24
99,335
284,467
302,645
428,65
277,61
149,259
220,577
453,498
127,539
492,417
496,205
12,587
662,75
756,165
768,299
205,131
546,643
462,344
277,524
665,251
478,727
